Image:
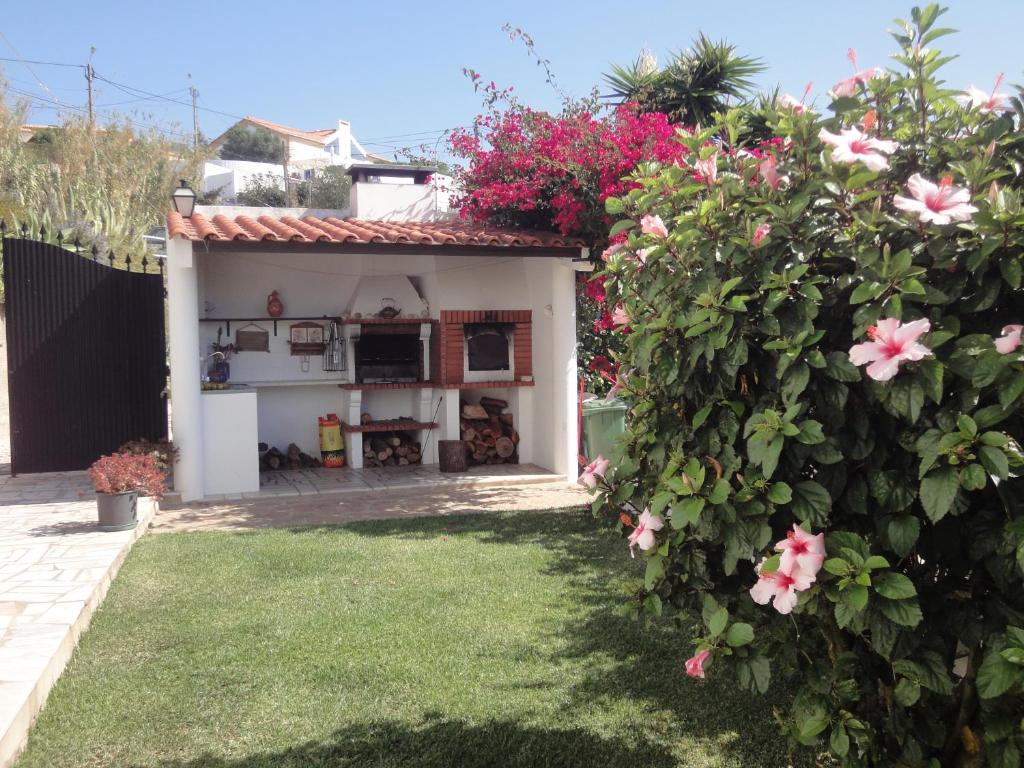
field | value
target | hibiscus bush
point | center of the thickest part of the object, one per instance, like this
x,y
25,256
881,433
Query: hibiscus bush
x,y
823,456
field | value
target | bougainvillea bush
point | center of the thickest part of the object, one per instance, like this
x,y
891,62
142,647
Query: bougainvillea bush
x,y
823,456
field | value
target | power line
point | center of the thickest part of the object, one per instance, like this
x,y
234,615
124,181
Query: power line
x,y
132,91
40,63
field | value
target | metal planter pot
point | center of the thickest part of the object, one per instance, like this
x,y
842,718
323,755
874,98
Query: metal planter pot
x,y
118,511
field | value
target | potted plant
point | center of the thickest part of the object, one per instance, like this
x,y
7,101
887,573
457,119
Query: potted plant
x,y
118,479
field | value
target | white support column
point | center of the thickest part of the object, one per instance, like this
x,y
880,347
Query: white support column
x,y
186,403
563,308
353,440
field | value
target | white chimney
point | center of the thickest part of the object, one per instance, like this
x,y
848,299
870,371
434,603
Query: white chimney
x,y
392,192
344,143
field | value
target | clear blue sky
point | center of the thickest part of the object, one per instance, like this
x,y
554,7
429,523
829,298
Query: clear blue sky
x,y
394,68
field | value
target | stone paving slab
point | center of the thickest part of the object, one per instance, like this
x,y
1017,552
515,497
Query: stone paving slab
x,y
55,569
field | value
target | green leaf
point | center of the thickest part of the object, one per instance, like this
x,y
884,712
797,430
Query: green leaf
x,y
839,367
810,432
875,562
720,493
655,571
932,372
857,595
621,226
907,692
906,613
845,613
811,503
687,512
809,729
906,398
718,621
973,477
894,586
994,460
996,675
839,741
739,634
780,493
761,670
903,531
794,382
867,291
938,492
701,416
614,205
837,566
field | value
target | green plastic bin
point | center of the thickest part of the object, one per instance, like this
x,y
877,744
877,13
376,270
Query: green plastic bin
x,y
603,423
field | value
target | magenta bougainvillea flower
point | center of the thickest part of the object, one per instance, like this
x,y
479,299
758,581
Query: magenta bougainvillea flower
x,y
1010,339
940,203
891,344
594,470
653,225
801,550
643,535
850,145
695,665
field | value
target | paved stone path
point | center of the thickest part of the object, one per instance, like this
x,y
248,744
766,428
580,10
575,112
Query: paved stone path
x,y
55,568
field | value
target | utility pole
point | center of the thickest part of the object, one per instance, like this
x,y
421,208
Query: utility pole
x,y
195,112
287,181
90,73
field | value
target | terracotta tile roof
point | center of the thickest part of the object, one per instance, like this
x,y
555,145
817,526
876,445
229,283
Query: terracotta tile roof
x,y
319,137
310,229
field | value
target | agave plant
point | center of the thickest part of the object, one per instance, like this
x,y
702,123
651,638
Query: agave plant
x,y
693,86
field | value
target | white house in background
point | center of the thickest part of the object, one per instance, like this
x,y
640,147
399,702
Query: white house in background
x,y
305,152
431,315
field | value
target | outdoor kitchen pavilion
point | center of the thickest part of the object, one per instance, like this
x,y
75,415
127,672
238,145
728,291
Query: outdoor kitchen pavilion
x,y
429,317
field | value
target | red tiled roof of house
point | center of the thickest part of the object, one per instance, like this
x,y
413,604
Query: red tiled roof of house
x,y
310,229
317,137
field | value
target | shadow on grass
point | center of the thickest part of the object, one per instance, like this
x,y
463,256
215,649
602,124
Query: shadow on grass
x,y
433,744
623,659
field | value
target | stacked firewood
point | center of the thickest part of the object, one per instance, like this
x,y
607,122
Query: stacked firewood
x,y
391,449
488,433
293,458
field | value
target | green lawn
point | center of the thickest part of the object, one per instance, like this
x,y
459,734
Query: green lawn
x,y
479,640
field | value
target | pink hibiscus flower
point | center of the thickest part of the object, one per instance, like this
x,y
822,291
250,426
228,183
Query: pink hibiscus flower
x,y
769,172
940,203
1010,339
848,87
610,251
621,380
594,470
851,146
891,343
975,98
643,535
695,665
653,225
708,168
760,234
803,551
779,587
620,316
797,105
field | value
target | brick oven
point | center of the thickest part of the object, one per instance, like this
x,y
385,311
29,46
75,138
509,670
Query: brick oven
x,y
468,346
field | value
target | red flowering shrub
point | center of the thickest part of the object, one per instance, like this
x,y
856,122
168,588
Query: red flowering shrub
x,y
122,472
553,172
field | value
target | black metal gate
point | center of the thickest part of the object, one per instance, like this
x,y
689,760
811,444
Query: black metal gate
x,y
86,356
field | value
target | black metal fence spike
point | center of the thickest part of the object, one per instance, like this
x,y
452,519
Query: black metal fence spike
x,y
60,238
95,252
110,257
3,228
24,229
144,262
42,233
78,245
128,261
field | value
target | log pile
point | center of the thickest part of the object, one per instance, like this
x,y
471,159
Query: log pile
x,y
292,458
391,449
488,432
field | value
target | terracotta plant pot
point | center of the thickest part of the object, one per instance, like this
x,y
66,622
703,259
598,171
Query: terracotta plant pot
x,y
275,307
117,511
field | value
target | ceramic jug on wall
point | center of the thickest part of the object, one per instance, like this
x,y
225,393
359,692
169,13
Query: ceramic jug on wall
x,y
274,306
